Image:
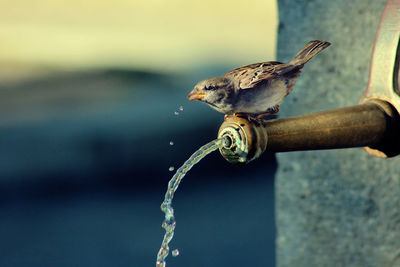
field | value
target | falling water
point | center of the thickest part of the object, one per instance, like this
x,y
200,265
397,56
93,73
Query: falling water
x,y
169,222
175,252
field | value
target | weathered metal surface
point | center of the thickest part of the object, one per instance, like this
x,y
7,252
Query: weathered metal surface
x,y
368,124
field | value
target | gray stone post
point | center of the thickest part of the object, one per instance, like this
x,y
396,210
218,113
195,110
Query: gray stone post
x,y
336,207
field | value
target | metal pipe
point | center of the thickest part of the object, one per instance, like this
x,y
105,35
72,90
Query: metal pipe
x,y
375,124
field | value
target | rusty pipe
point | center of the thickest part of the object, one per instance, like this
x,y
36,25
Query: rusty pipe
x,y
374,124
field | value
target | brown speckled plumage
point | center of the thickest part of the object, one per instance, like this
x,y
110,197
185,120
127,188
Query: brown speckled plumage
x,y
257,88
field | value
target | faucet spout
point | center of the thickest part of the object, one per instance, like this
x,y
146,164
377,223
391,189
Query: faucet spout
x,y
374,124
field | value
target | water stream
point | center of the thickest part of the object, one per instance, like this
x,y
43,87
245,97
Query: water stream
x,y
169,221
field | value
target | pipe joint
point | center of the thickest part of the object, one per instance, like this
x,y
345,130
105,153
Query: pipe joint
x,y
244,141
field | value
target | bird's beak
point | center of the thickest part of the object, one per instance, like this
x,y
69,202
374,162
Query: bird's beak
x,y
196,94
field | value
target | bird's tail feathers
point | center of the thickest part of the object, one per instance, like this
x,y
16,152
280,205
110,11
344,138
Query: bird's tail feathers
x,y
309,51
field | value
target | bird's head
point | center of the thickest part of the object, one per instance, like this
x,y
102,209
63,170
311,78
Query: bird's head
x,y
211,91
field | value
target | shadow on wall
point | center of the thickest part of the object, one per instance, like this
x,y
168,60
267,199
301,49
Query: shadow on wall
x,y
84,164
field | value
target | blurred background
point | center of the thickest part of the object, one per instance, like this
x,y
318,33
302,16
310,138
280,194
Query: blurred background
x,y
88,95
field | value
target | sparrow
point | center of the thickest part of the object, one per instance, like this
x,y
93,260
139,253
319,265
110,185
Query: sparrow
x,y
255,90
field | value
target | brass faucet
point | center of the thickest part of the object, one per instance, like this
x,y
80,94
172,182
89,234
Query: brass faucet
x,y
374,123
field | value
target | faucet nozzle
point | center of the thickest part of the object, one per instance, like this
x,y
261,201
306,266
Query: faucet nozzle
x,y
243,141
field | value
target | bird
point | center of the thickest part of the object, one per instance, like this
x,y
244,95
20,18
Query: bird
x,y
256,90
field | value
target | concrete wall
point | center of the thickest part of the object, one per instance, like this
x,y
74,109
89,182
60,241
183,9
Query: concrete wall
x,y
337,207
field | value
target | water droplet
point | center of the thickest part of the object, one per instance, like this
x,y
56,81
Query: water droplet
x,y
176,113
175,252
171,143
171,169
181,108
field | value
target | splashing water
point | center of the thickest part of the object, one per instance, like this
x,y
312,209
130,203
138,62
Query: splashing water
x,y
175,252
169,222
181,108
171,143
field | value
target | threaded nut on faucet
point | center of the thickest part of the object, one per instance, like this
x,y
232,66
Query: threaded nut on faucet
x,y
244,140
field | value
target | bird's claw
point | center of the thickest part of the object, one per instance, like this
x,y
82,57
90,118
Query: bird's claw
x,y
227,117
249,117
261,116
239,115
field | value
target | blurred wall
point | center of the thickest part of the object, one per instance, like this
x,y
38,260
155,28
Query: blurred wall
x,y
335,207
88,91
152,34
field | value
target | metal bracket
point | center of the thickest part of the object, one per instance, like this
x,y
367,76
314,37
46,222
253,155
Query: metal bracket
x,y
383,81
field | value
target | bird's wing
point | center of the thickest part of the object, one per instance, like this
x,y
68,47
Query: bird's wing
x,y
250,75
